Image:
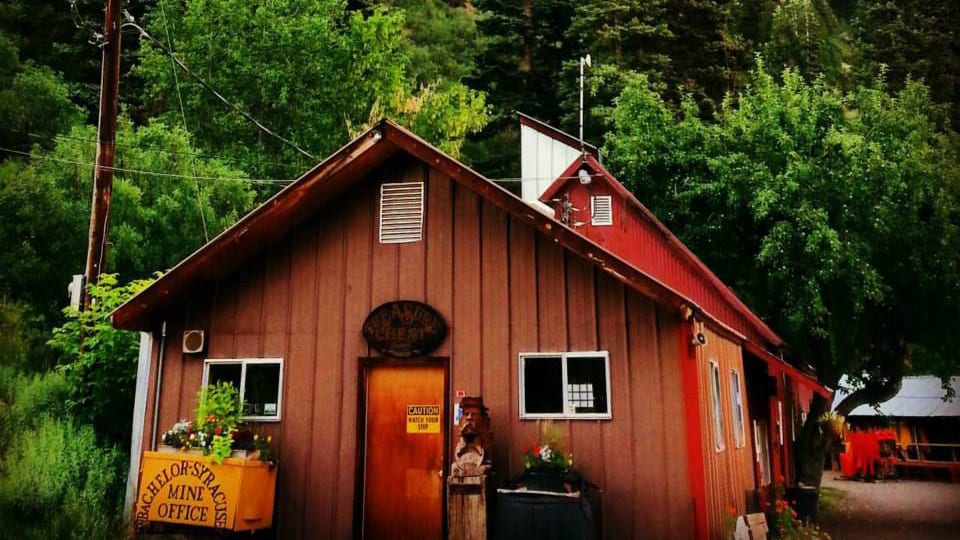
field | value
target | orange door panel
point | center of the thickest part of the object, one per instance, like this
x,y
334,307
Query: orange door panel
x,y
403,458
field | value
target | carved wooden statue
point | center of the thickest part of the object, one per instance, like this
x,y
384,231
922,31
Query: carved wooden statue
x,y
472,454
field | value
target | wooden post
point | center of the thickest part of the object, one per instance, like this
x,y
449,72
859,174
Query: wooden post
x,y
467,483
106,136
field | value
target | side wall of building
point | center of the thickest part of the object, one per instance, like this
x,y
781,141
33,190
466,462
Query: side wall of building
x,y
503,289
728,462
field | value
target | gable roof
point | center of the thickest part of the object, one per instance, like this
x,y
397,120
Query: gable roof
x,y
712,296
270,221
274,218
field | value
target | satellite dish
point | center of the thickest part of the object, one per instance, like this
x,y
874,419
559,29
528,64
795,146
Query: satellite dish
x,y
584,177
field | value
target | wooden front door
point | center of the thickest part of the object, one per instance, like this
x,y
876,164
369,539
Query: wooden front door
x,y
404,439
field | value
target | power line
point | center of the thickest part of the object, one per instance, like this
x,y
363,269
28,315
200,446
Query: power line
x,y
183,117
214,91
144,172
125,144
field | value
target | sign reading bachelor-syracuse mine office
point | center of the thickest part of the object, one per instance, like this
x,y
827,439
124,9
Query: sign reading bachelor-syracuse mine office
x,y
189,489
404,329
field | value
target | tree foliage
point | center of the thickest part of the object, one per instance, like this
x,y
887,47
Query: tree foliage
x,y
156,219
836,215
34,102
99,361
315,72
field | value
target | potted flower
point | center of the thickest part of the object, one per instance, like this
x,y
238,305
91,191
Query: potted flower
x,y
227,487
544,464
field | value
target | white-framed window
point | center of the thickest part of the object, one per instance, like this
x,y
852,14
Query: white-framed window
x,y
780,421
565,385
718,444
601,210
401,212
259,380
736,406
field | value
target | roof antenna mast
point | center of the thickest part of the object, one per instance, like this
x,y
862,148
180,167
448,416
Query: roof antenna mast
x,y
584,60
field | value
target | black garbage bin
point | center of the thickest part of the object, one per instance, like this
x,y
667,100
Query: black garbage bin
x,y
804,501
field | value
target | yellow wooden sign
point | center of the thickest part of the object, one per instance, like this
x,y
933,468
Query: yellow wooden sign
x,y
183,488
423,419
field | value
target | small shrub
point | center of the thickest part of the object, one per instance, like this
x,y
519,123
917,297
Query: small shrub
x,y
56,483
24,399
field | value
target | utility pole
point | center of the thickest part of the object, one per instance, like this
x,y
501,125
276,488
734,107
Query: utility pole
x,y
106,136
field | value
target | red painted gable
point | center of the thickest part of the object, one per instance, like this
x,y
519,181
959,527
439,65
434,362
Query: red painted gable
x,y
639,238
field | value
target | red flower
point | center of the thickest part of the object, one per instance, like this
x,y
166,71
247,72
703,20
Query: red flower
x,y
781,479
536,450
217,430
731,510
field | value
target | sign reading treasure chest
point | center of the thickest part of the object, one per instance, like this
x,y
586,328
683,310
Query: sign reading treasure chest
x,y
404,329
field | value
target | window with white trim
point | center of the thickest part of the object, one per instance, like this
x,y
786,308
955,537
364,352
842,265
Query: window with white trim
x,y
601,210
565,385
736,406
401,212
715,402
259,380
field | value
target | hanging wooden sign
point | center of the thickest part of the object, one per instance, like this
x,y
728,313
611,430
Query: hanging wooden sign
x,y
404,329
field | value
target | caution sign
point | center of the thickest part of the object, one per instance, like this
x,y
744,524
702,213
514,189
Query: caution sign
x,y
423,419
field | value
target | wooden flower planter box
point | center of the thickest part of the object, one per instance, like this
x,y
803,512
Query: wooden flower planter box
x,y
188,489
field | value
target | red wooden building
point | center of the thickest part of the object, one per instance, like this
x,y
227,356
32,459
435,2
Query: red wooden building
x,y
545,321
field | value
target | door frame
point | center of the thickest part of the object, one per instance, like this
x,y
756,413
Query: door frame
x,y
365,364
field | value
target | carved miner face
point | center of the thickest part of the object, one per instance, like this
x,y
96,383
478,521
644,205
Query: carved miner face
x,y
474,420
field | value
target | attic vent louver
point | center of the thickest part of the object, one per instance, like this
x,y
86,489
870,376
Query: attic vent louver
x,y
401,212
601,210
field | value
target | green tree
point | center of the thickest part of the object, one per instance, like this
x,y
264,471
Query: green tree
x,y
160,212
807,36
99,361
311,70
836,216
444,38
34,102
913,40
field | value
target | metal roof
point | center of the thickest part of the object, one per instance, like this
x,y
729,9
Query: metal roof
x,y
918,397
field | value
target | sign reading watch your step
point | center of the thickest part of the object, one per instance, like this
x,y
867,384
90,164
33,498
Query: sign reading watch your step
x,y
423,419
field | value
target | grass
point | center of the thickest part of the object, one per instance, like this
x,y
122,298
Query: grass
x,y
829,499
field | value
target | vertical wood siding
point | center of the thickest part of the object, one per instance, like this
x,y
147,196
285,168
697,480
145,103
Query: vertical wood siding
x,y
503,290
729,472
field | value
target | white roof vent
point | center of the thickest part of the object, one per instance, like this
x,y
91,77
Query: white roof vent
x,y
401,212
601,210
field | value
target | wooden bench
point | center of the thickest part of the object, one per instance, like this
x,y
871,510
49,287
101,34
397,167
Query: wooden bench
x,y
751,527
952,468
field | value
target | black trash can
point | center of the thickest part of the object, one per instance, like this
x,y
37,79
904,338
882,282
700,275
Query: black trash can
x,y
804,500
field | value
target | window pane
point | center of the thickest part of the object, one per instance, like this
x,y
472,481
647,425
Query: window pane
x,y
543,385
587,385
263,388
715,398
736,405
224,373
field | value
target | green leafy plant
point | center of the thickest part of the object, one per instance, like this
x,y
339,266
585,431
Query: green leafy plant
x,y
99,361
218,414
56,481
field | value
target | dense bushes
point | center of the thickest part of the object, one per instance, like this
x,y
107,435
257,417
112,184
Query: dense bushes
x,y
57,483
56,480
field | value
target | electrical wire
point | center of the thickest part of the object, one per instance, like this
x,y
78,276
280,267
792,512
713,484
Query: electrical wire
x,y
145,172
183,117
263,128
124,144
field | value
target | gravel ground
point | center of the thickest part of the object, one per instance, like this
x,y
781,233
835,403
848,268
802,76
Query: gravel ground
x,y
893,509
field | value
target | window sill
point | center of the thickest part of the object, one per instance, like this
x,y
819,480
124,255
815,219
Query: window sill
x,y
546,416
